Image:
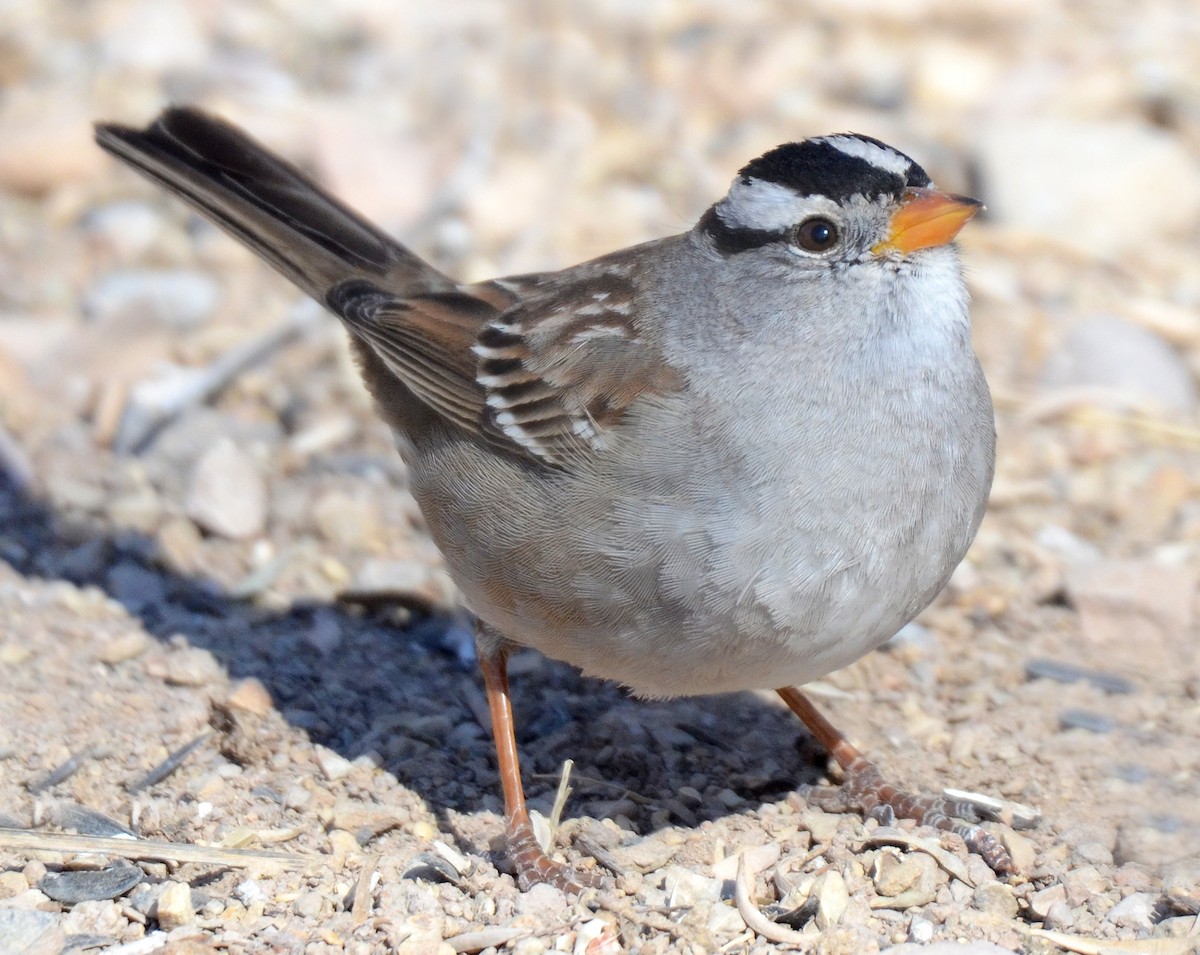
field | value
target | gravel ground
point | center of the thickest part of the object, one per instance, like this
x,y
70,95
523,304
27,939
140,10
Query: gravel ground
x,y
222,625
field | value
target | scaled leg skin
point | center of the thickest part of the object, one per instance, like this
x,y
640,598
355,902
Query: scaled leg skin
x,y
532,864
866,791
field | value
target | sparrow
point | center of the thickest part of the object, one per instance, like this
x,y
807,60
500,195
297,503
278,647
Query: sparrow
x,y
736,458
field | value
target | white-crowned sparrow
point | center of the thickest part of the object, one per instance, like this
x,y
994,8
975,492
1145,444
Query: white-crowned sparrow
x,y
735,458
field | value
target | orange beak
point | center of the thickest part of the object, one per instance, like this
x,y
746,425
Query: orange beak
x,y
926,218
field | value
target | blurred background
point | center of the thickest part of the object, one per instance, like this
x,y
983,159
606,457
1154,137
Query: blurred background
x,y
500,137
503,137
163,391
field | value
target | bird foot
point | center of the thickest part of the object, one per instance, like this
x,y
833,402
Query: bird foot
x,y
866,791
534,867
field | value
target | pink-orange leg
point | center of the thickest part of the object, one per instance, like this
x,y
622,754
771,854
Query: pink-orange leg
x,y
865,790
532,864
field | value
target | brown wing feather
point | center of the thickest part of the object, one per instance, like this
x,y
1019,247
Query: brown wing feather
x,y
425,341
561,366
541,365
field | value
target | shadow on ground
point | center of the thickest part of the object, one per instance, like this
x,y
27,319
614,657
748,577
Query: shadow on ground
x,y
401,692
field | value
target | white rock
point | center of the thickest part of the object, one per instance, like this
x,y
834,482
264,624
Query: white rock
x,y
227,495
685,887
175,905
32,931
404,579
1070,547
1106,187
920,930
832,898
126,229
333,765
154,35
1111,355
249,892
1134,911
757,858
175,297
1043,900
725,920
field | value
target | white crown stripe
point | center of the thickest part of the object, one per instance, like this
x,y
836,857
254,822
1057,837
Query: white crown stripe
x,y
881,157
761,205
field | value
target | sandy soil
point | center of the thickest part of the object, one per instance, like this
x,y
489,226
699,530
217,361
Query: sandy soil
x,y
290,619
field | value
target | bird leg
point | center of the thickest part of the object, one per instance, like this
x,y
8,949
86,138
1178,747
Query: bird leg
x,y
866,791
532,864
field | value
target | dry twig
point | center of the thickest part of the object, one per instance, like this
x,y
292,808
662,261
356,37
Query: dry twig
x,y
24,840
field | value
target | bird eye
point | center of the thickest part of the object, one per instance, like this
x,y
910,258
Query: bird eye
x,y
816,235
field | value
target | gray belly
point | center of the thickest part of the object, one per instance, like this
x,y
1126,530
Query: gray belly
x,y
704,579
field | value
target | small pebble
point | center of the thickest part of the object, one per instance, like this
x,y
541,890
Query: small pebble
x,y
757,858
297,797
12,883
87,822
405,580
369,819
174,297
1064,672
1060,917
729,799
1136,911
1042,900
724,920
251,696
996,898
250,891
82,885
1020,849
1096,853
127,228
685,887
893,873
123,647
833,898
920,930
1099,723
187,666
1083,883
309,904
31,931
174,906
227,495
333,765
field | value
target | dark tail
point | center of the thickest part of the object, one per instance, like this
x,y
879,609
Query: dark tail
x,y
267,203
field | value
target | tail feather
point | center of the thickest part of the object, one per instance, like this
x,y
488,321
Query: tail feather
x,y
267,203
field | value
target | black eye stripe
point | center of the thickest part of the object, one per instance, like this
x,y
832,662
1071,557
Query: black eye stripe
x,y
780,187
731,241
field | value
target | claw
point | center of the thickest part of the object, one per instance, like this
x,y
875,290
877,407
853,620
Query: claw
x,y
866,791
